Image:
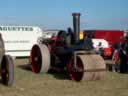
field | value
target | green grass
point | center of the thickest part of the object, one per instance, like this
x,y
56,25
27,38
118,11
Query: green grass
x,y
30,84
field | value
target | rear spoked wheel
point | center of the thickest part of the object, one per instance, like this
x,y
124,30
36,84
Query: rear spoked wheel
x,y
7,70
40,58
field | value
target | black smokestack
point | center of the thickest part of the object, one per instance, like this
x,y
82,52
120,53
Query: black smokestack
x,y
76,26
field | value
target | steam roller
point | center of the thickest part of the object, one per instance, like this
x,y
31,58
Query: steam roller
x,y
71,52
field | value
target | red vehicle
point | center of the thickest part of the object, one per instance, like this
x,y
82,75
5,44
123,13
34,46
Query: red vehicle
x,y
113,37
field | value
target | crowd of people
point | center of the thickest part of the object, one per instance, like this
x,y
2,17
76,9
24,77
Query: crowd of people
x,y
120,56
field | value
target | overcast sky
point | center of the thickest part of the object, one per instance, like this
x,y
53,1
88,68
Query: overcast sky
x,y
56,14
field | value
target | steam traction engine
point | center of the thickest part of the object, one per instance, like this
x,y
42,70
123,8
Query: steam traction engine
x,y
6,65
67,52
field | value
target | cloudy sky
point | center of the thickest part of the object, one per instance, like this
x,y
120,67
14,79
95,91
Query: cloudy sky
x,y
56,14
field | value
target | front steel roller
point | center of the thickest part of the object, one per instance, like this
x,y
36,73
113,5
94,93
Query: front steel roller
x,y
87,67
7,70
40,58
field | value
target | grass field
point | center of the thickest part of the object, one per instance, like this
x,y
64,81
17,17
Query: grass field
x,y
30,84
